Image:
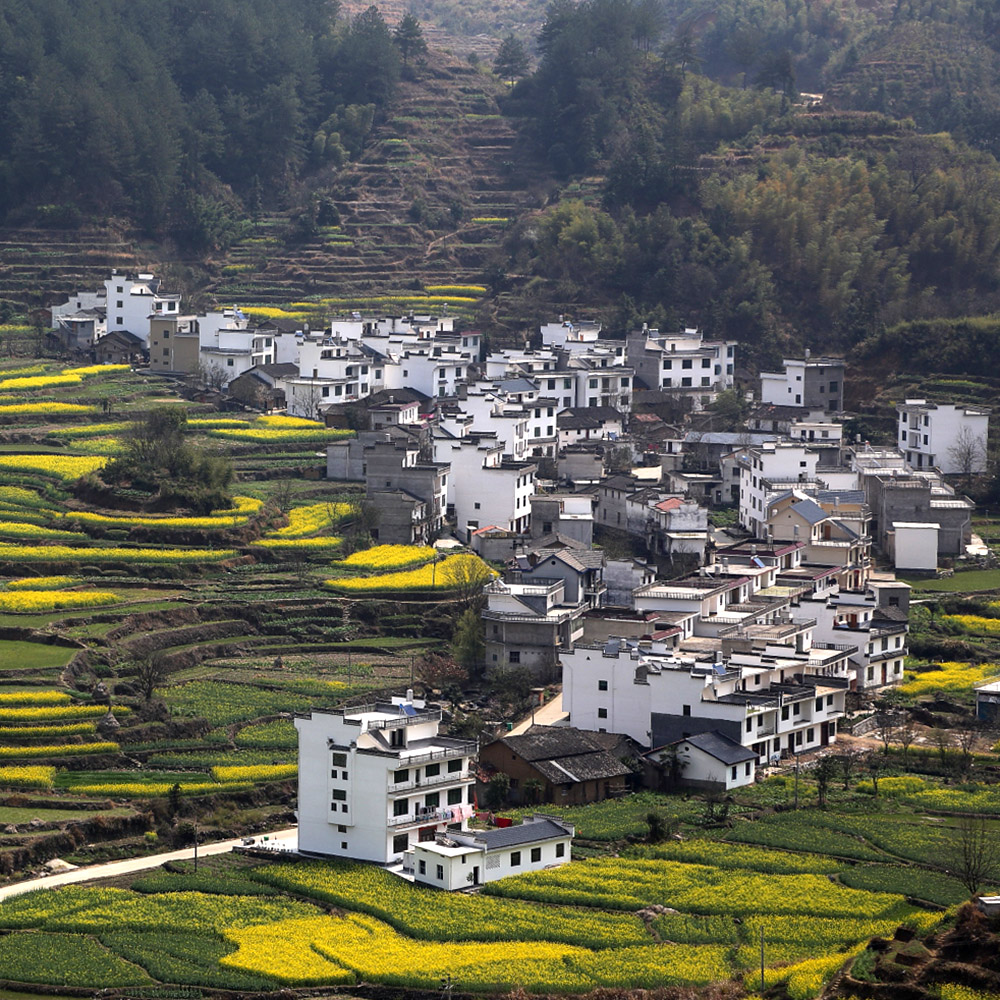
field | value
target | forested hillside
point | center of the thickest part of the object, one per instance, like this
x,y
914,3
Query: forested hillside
x,y
180,115
738,207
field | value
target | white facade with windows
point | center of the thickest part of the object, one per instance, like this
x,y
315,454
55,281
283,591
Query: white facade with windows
x,y
377,780
773,467
941,435
461,860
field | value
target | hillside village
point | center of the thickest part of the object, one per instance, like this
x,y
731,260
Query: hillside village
x,y
586,469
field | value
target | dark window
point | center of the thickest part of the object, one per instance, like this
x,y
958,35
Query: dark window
x,y
515,656
400,807
686,710
602,685
732,774
819,704
339,795
338,759
422,867
400,843
784,713
401,775
749,724
515,859
536,854
432,770
746,769
602,713
560,850
454,765
454,796
432,800
440,873
341,828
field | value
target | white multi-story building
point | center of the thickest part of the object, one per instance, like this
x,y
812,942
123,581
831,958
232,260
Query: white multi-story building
x,y
771,688
128,301
485,488
569,336
807,382
684,363
875,622
377,780
941,435
773,467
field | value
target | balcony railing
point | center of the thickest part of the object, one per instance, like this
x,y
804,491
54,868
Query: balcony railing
x,y
439,815
462,748
437,779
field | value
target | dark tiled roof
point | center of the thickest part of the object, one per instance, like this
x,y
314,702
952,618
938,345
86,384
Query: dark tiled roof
x,y
722,748
524,833
601,413
584,767
810,510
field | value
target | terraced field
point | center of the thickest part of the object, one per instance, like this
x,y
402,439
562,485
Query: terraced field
x,y
145,655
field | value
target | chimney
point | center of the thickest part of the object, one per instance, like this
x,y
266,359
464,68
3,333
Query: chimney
x,y
808,354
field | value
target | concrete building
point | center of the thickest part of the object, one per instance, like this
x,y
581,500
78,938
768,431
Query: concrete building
x,y
392,466
458,860
683,363
770,687
569,514
772,468
807,382
950,438
374,781
174,344
709,761
528,625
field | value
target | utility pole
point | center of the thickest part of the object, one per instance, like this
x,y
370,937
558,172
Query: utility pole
x,y
762,958
196,845
796,783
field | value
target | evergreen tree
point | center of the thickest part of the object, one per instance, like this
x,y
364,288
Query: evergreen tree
x,y
512,59
409,38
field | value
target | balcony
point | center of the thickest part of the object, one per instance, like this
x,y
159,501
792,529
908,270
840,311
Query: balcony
x,y
444,814
437,779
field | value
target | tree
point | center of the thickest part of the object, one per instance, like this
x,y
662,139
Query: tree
x,y
968,454
213,376
682,49
974,854
409,38
847,764
875,763
512,60
441,672
466,578
825,770
533,791
657,828
150,673
497,790
887,718
467,642
967,736
906,734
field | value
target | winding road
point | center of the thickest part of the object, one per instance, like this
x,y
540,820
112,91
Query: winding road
x,y
279,840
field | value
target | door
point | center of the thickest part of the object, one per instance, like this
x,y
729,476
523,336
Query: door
x,y
475,874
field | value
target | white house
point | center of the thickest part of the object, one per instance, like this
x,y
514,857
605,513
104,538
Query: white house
x,y
709,760
570,336
461,860
128,300
485,488
376,780
771,688
807,382
949,437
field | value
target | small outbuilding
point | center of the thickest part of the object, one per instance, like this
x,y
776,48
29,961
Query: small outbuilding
x,y
460,859
706,760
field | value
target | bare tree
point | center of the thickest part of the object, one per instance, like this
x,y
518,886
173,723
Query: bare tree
x,y
213,376
847,762
967,736
824,772
150,673
968,453
467,578
906,734
875,763
886,721
974,854
942,740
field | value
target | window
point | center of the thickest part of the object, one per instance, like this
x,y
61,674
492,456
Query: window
x,y
686,710
602,713
432,800
514,656
400,843
602,685
667,364
686,381
422,867
343,845
536,854
706,380
340,795
439,871
829,700
810,735
784,713
560,850
746,769
515,859
686,363
229,362
454,796
432,770
749,725
796,709
401,775
341,828
732,774
454,766
118,305
819,704
706,363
